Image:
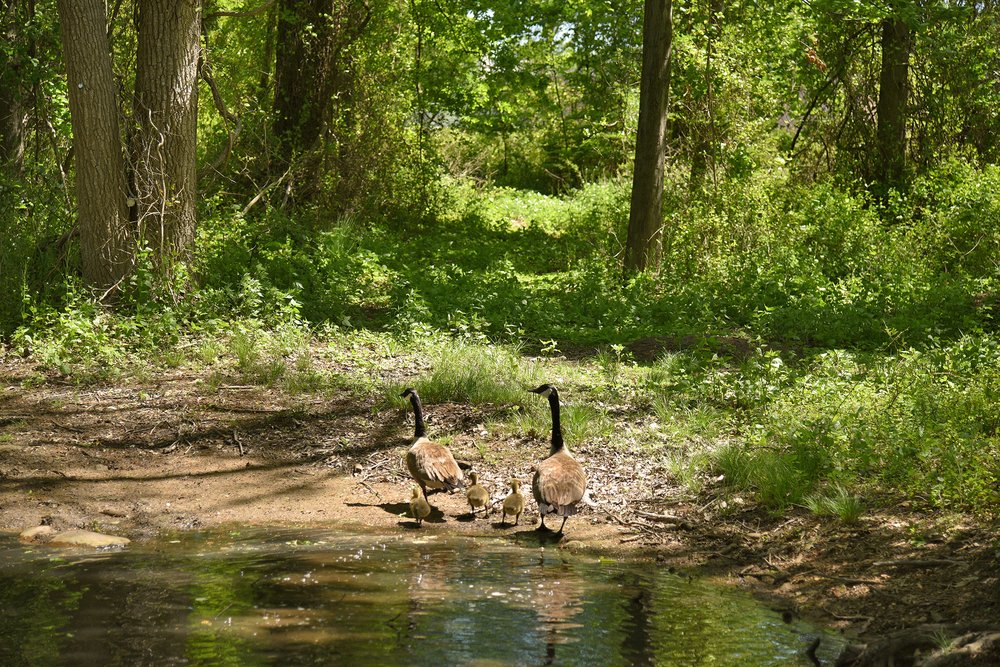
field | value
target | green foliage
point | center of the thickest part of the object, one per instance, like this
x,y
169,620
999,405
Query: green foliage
x,y
838,502
83,339
920,422
468,372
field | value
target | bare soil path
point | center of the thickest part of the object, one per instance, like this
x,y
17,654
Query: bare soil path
x,y
137,459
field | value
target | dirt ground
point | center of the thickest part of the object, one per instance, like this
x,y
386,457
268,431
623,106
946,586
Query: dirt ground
x,y
138,459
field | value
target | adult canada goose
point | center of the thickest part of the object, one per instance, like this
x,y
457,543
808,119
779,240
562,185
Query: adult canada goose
x,y
477,495
513,504
430,464
559,482
419,506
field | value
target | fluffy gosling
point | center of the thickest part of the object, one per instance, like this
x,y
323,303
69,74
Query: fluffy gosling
x,y
419,507
477,495
513,504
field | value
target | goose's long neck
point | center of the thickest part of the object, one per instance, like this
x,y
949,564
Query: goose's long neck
x,y
419,430
557,437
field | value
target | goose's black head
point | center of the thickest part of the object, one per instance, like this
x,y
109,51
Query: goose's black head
x,y
408,392
545,390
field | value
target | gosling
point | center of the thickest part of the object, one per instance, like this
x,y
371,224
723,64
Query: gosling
x,y
513,504
477,495
419,507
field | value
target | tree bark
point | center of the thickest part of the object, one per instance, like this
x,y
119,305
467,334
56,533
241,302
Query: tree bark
x,y
891,107
106,241
166,108
645,226
12,108
309,74
703,130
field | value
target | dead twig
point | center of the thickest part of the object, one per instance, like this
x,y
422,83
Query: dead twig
x,y
664,518
370,489
916,563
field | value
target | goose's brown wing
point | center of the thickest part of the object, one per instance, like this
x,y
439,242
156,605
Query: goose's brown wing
x,y
559,482
434,464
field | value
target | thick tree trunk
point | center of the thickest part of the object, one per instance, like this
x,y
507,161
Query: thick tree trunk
x,y
12,124
303,77
166,108
891,108
645,226
106,242
309,76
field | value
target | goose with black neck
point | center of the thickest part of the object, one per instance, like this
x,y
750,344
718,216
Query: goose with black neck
x,y
560,481
430,464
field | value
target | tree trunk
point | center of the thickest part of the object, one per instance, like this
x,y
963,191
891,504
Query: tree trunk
x,y
703,130
106,242
166,108
891,108
645,226
12,124
308,77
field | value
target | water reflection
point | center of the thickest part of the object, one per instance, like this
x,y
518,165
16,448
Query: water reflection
x,y
306,598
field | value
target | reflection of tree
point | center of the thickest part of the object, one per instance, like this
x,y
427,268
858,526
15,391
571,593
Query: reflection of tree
x,y
221,588
637,641
36,612
557,593
126,614
107,610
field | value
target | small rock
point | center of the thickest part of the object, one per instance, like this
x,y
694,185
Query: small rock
x,y
37,534
86,538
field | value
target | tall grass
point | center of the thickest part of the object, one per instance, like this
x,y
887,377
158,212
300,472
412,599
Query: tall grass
x,y
581,422
923,423
468,372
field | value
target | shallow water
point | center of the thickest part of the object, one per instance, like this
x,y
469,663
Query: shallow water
x,y
332,597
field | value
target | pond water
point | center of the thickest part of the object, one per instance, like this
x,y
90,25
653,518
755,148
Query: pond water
x,y
299,597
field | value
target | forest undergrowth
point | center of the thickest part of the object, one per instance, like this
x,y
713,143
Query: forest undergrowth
x,y
804,343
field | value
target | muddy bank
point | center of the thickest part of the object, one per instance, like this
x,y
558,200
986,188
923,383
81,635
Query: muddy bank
x,y
139,459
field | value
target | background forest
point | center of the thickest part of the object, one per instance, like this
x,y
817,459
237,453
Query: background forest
x,y
233,185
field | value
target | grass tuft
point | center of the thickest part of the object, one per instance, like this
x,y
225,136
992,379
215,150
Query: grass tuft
x,y
839,502
580,422
465,372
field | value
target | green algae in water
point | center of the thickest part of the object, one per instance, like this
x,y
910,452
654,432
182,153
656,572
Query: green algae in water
x,y
332,597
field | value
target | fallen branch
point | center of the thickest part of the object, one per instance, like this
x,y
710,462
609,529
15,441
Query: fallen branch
x,y
841,617
264,191
665,518
370,489
846,580
928,562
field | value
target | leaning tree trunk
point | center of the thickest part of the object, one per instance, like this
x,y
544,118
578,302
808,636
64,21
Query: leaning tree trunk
x,y
645,225
105,237
166,108
891,107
